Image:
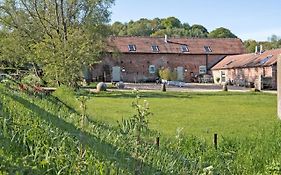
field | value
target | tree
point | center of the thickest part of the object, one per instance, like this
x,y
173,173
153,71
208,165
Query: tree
x,y
118,29
250,45
60,35
221,33
198,31
141,27
171,22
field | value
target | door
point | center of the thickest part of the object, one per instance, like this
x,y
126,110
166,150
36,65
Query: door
x,y
116,73
180,73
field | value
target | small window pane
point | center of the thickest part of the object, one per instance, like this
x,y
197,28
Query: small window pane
x,y
207,49
202,70
132,47
184,48
155,48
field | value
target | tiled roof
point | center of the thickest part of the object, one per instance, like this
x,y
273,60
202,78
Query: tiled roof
x,y
224,46
266,58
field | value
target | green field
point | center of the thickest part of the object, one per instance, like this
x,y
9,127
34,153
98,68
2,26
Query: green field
x,y
50,134
200,114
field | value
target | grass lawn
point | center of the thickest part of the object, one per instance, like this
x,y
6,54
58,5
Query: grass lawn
x,y
201,114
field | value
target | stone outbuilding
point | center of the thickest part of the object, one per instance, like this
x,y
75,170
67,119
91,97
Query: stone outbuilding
x,y
138,59
248,69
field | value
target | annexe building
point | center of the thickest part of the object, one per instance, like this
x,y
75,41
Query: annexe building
x,y
248,69
138,59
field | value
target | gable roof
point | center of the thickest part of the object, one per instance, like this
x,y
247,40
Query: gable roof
x,y
222,46
267,58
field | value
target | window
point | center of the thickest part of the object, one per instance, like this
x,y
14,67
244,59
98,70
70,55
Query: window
x,y
132,47
184,48
202,70
155,48
207,49
265,59
152,69
222,76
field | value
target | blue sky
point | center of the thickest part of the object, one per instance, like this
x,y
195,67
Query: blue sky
x,y
248,19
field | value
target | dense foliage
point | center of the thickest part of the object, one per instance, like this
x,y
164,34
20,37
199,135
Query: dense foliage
x,y
170,26
60,36
274,42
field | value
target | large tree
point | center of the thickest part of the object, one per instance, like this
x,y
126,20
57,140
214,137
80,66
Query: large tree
x,y
198,31
221,33
62,36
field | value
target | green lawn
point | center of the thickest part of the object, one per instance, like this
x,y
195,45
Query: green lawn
x,y
200,114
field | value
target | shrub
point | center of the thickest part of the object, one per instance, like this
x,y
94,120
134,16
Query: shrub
x,y
32,80
218,79
167,74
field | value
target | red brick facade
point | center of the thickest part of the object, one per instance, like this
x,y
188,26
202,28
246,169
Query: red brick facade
x,y
134,66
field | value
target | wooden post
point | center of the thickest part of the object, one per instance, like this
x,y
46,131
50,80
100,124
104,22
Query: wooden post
x,y
279,87
157,141
216,140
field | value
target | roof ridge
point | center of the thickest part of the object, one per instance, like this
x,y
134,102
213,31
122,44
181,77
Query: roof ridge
x,y
174,37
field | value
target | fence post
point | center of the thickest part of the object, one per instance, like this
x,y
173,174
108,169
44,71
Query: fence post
x,y
279,87
216,140
157,142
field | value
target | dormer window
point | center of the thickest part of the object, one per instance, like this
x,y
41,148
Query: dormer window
x,y
155,48
184,48
207,49
132,47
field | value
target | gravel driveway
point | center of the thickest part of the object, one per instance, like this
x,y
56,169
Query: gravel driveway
x,y
196,87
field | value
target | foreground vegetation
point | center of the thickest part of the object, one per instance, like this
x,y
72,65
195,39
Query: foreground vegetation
x,y
44,135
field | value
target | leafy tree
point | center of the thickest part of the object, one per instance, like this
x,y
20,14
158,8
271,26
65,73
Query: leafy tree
x,y
171,22
198,31
273,43
118,29
60,35
141,27
250,45
177,32
221,33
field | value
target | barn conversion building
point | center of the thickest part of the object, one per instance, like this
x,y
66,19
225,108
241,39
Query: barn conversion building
x,y
249,69
137,59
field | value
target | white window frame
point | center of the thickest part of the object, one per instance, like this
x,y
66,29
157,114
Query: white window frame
x,y
152,69
202,69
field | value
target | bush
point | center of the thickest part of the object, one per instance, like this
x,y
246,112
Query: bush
x,y
32,80
218,79
167,74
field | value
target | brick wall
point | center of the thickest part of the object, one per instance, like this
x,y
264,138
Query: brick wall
x,y
248,74
136,65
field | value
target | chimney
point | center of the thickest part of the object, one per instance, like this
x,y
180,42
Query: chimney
x,y
256,49
261,51
166,38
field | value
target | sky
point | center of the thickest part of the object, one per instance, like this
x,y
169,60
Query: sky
x,y
248,19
